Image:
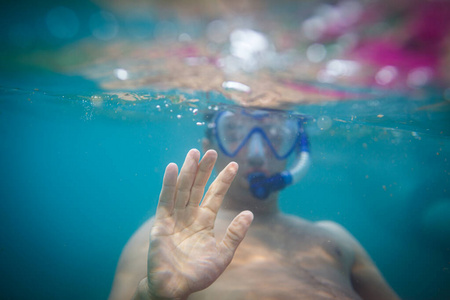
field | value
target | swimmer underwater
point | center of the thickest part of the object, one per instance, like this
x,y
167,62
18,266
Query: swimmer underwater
x,y
192,250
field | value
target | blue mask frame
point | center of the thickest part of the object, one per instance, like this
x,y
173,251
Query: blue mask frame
x,y
258,130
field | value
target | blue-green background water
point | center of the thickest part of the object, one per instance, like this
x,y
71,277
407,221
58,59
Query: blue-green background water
x,y
77,179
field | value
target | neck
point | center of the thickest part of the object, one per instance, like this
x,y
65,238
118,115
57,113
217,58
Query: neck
x,y
238,202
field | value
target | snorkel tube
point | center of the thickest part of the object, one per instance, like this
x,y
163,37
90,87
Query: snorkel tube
x,y
261,186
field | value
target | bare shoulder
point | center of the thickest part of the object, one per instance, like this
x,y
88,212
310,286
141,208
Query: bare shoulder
x,y
132,266
141,235
343,234
330,227
344,237
323,230
136,248
337,230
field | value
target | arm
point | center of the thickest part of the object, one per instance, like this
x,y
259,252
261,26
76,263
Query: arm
x,y
184,256
366,279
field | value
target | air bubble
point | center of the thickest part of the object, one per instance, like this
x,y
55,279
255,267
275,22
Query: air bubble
x,y
324,122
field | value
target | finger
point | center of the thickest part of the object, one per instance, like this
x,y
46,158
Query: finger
x,y
167,196
186,178
235,234
218,189
204,172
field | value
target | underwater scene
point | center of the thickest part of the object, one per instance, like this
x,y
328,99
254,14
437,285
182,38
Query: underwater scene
x,y
98,97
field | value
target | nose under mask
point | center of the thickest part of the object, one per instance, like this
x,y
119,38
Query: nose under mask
x,y
256,148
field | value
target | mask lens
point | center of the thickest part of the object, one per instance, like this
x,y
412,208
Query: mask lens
x,y
234,129
282,135
231,131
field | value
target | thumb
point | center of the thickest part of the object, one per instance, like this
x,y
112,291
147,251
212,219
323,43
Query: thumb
x,y
235,234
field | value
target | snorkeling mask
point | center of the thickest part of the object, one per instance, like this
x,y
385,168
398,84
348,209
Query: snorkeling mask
x,y
283,133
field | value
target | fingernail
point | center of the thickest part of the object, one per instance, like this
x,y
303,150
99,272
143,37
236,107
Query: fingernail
x,y
194,156
194,152
250,215
233,167
211,154
171,165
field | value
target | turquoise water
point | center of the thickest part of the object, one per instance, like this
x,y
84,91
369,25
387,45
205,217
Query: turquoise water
x,y
79,176
78,179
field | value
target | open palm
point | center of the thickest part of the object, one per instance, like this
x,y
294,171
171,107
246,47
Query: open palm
x,y
184,256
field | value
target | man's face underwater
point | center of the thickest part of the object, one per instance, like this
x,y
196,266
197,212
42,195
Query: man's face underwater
x,y
255,156
252,143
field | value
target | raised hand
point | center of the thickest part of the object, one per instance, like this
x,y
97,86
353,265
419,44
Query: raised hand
x,y
184,256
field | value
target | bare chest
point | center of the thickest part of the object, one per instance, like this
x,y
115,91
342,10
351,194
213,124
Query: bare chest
x,y
283,265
